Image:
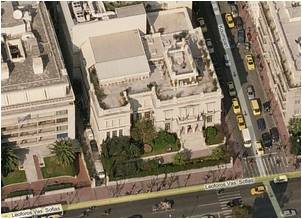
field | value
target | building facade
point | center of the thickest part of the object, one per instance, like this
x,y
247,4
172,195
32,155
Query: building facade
x,y
37,99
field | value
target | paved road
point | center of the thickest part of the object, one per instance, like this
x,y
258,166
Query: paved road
x,y
207,202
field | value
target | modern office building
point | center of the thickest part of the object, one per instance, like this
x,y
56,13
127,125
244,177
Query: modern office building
x,y
163,73
37,100
278,26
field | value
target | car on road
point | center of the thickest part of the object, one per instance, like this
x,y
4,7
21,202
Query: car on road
x,y
210,46
280,179
239,23
258,190
229,20
250,92
266,139
163,206
236,106
247,46
202,24
240,122
227,60
255,107
241,36
259,148
231,89
234,10
208,216
94,146
235,202
289,212
250,62
275,134
261,124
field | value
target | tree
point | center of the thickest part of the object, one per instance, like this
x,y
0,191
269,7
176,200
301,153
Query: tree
x,y
133,151
294,126
63,151
180,158
9,160
143,130
242,211
218,154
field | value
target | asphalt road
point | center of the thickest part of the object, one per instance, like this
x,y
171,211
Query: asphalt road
x,y
206,202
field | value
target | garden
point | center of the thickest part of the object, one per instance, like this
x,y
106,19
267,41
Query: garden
x,y
16,176
60,170
213,135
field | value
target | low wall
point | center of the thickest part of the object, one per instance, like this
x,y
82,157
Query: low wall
x,y
17,198
58,191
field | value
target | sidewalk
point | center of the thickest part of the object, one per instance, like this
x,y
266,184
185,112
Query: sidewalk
x,y
121,189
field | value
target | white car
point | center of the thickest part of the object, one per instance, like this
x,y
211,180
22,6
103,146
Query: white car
x,y
210,46
289,213
89,134
280,179
227,60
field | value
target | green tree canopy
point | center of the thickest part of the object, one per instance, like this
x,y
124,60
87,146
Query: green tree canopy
x,y
180,158
143,130
294,126
64,152
9,160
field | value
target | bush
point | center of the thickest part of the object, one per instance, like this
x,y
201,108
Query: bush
x,y
147,148
19,193
58,186
213,136
165,139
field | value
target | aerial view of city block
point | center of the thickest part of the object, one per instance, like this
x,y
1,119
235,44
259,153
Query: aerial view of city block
x,y
151,109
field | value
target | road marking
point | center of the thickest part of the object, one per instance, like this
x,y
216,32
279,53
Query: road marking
x,y
207,204
227,195
229,198
265,166
163,211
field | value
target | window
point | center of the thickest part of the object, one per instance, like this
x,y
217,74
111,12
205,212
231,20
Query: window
x,y
108,134
62,128
147,115
114,133
120,132
62,136
209,119
61,112
47,122
167,126
62,120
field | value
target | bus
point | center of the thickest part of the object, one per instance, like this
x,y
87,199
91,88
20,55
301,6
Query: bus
x,y
50,211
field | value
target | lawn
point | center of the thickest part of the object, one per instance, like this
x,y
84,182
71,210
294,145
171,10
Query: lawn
x,y
53,168
163,143
213,136
17,176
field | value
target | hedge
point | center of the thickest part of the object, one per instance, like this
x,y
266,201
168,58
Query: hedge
x,y
58,186
19,193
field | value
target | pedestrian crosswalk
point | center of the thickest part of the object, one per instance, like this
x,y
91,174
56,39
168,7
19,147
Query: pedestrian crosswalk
x,y
272,163
223,199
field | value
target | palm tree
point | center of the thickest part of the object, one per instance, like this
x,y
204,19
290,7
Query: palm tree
x,y
9,160
64,152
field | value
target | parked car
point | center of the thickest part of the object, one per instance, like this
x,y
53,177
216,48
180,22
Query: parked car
x,y
255,107
259,148
240,122
261,124
202,24
241,36
231,88
289,213
250,62
229,20
94,146
275,134
227,60
234,10
236,106
250,92
210,46
247,46
280,179
267,139
239,22
258,190
89,134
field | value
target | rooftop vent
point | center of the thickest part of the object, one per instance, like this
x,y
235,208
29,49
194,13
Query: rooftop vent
x,y
15,50
38,65
17,14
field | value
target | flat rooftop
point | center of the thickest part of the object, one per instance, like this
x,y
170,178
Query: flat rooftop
x,y
130,10
119,54
21,74
170,21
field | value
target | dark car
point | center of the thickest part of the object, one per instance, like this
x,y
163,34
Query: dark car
x,y
275,134
241,36
267,139
239,23
136,216
235,202
261,124
94,146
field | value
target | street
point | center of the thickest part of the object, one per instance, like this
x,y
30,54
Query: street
x,y
205,203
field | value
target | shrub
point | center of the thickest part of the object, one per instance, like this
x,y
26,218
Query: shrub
x,y
19,193
58,186
147,148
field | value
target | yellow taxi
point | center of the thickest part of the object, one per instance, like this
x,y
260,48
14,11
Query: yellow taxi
x,y
258,190
259,148
240,122
250,62
229,20
236,106
255,107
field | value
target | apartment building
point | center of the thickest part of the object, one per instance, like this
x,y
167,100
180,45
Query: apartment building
x,y
279,35
37,98
165,75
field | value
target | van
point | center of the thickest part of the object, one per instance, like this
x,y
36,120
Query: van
x,y
247,141
255,107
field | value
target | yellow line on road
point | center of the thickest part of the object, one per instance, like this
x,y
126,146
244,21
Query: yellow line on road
x,y
170,192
